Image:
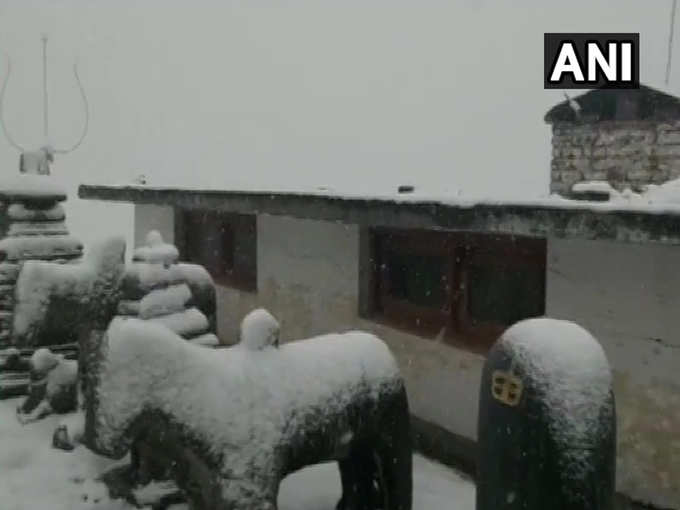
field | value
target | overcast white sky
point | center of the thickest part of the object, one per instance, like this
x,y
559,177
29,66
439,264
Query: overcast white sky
x,y
351,94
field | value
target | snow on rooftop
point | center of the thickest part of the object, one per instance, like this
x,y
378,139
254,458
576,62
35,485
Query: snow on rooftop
x,y
663,198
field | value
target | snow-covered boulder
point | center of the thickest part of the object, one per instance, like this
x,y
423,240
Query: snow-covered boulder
x,y
234,422
58,301
53,387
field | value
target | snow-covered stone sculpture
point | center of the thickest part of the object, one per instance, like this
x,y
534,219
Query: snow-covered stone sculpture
x,y
32,228
180,296
59,302
234,422
547,420
53,387
15,368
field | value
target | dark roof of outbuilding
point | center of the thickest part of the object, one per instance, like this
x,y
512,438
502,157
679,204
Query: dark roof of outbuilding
x,y
604,104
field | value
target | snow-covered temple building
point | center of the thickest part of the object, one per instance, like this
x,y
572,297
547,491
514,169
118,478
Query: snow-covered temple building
x,y
439,278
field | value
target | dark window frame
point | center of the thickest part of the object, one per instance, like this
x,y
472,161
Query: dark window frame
x,y
237,266
461,252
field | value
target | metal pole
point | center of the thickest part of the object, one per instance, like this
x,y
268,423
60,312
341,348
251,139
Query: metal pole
x,y
45,103
670,41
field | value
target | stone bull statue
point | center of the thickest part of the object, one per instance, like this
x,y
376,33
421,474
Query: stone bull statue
x,y
234,422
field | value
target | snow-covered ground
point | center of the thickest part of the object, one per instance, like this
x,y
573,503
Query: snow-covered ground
x,y
33,475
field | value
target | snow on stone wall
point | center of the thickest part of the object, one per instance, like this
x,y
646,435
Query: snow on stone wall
x,y
627,154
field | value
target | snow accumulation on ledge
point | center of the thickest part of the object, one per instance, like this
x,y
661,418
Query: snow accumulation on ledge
x,y
28,185
655,199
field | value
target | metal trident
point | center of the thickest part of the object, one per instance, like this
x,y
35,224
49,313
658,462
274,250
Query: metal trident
x,y
37,161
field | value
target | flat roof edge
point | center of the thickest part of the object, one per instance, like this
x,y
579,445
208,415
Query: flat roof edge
x,y
573,220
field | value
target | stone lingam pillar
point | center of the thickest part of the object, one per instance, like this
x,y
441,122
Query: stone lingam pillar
x,y
32,227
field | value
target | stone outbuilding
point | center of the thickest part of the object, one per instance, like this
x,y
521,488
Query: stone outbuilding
x,y
629,138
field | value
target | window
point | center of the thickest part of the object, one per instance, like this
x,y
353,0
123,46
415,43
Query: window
x,y
224,243
466,288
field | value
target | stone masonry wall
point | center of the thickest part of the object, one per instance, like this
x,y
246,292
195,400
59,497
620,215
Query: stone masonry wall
x,y
627,154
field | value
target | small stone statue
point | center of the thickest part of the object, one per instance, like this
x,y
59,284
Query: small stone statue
x,y
53,387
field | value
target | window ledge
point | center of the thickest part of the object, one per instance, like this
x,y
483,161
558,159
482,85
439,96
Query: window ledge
x,y
470,342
